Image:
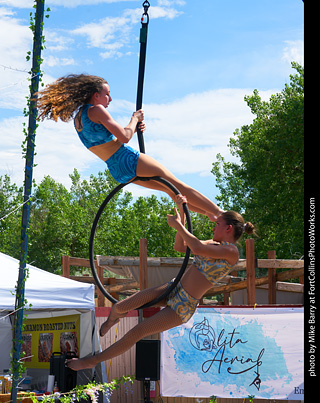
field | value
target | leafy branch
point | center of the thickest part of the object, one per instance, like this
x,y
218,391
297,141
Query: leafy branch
x,y
33,73
213,399
89,391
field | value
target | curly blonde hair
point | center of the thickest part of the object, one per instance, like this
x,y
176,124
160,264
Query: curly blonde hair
x,y
62,98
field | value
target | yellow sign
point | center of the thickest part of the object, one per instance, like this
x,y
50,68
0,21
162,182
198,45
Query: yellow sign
x,y
43,337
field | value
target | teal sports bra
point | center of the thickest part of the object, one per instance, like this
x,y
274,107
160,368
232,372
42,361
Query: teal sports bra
x,y
92,134
213,269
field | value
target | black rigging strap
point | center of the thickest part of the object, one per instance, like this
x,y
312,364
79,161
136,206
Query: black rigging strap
x,y
142,63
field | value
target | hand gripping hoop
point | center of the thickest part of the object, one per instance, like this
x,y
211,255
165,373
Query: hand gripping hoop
x,y
93,230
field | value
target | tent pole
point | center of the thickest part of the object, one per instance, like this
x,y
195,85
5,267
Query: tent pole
x,y
20,289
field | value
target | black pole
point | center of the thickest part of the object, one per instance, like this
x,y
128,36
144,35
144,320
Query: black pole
x,y
142,63
20,291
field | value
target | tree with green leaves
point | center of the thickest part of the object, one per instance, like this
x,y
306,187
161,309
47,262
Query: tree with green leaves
x,y
61,221
266,182
11,199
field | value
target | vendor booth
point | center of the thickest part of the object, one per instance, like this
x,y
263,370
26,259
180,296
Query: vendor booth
x,y
61,319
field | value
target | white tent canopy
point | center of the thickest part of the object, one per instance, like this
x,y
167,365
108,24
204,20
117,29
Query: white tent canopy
x,y
50,295
43,290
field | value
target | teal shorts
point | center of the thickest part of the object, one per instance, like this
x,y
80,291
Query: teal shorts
x,y
182,303
123,164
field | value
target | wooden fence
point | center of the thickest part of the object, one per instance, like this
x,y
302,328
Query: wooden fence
x,y
295,269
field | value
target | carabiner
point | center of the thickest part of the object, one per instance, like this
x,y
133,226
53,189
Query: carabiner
x,y
145,15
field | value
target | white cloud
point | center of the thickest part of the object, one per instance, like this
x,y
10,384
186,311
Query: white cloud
x,y
109,35
16,40
184,135
112,34
58,151
164,12
11,153
76,3
59,61
59,40
100,34
168,3
65,3
18,3
14,84
293,51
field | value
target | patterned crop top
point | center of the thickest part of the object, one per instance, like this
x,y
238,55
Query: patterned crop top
x,y
92,134
213,269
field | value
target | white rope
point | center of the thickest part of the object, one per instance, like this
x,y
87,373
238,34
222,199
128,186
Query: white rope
x,y
17,208
20,71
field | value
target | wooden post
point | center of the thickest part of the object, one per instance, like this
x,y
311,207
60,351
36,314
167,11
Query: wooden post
x,y
100,296
66,266
113,281
272,282
251,286
226,298
143,264
226,295
301,279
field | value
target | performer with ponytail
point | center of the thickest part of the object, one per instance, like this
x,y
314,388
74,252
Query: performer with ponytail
x,y
214,259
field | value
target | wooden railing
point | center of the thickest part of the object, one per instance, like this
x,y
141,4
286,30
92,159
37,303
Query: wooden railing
x,y
230,283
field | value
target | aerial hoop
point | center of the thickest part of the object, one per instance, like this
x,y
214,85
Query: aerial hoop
x,y
93,230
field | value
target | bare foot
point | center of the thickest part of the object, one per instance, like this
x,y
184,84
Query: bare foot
x,y
112,320
107,325
77,364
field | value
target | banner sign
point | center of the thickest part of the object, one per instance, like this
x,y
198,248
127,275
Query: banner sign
x,y
235,353
42,337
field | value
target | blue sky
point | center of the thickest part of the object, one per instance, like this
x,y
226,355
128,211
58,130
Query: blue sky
x,y
203,57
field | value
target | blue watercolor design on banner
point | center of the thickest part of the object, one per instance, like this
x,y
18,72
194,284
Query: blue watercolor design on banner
x,y
229,351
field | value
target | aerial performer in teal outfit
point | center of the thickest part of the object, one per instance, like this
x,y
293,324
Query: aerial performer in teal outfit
x,y
85,99
214,259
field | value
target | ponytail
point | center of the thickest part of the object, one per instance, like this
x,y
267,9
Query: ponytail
x,y
236,220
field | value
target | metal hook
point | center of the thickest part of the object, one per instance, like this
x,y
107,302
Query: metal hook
x,y
146,6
